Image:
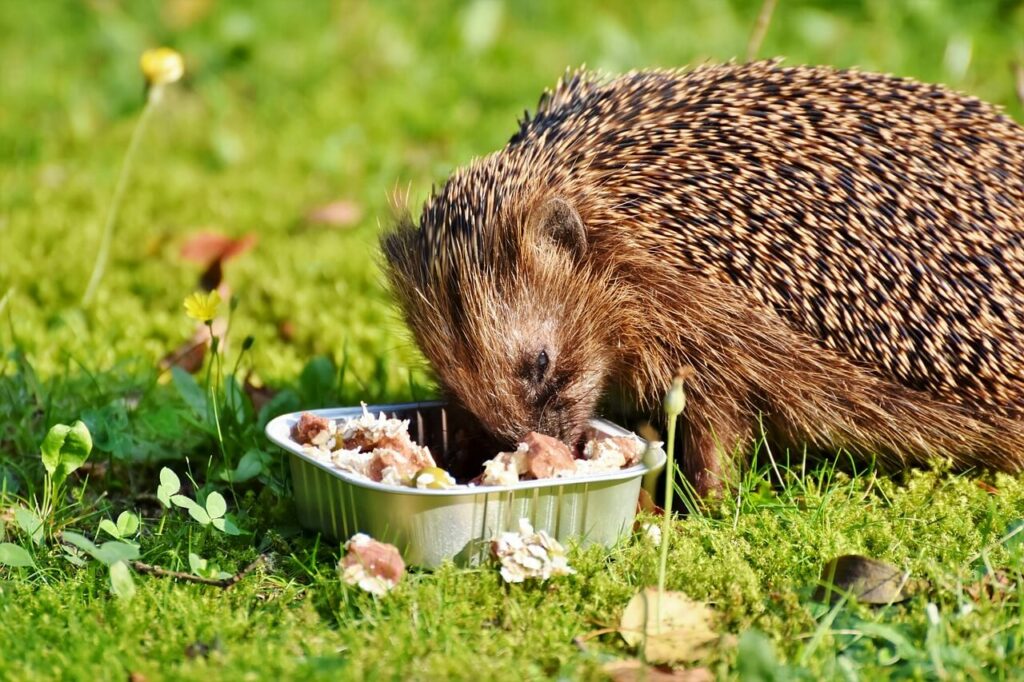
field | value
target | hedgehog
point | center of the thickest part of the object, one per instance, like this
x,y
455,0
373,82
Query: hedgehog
x,y
838,255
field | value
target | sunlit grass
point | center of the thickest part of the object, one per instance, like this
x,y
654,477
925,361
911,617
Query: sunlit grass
x,y
283,110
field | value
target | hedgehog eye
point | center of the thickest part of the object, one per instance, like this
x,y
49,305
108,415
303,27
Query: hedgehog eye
x,y
542,364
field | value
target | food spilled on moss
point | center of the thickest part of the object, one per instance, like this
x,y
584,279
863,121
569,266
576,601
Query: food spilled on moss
x,y
528,554
381,449
373,566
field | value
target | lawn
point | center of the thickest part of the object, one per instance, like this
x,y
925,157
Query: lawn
x,y
296,124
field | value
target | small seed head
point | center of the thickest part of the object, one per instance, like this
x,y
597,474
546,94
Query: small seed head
x,y
675,399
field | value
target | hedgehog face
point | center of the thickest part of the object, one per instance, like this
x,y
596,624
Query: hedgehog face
x,y
513,336
531,350
531,362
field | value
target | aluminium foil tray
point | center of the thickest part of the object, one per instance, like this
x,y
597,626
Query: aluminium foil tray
x,y
430,527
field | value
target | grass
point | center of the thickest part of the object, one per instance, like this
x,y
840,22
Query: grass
x,y
284,110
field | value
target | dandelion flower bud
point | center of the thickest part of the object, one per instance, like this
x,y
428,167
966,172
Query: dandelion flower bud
x,y
161,66
675,399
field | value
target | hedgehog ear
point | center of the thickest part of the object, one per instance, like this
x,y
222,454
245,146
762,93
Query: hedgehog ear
x,y
560,223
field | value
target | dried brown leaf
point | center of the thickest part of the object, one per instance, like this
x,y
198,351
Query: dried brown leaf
x,y
183,13
636,671
190,354
990,489
671,629
646,504
93,470
212,276
997,586
286,330
340,213
206,247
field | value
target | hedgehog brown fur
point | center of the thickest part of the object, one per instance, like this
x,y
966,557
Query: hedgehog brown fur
x,y
840,252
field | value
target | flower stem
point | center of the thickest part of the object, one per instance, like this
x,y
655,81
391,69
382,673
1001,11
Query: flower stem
x,y
666,519
107,237
211,390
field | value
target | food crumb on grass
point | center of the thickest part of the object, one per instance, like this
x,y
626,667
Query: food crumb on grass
x,y
373,566
528,554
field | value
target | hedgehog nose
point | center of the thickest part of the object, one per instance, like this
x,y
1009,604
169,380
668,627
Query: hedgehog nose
x,y
549,426
552,424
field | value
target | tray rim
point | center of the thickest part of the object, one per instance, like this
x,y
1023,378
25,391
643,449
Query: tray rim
x,y
278,431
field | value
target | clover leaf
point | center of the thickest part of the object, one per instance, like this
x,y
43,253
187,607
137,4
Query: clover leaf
x,y
65,449
170,484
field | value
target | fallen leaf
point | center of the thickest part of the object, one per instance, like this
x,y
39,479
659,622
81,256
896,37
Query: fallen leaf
x,y
340,213
189,355
990,489
646,504
867,580
93,470
286,330
183,13
997,586
213,250
670,630
212,276
637,671
137,677
206,247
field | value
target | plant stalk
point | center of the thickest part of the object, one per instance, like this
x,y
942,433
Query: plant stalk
x,y
107,237
666,519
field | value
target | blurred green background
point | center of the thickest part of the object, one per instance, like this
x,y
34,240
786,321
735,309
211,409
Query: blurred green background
x,y
290,105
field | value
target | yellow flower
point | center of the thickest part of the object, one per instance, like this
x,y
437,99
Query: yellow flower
x,y
161,66
202,307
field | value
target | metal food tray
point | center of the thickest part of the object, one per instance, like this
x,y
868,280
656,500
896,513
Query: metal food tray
x,y
432,526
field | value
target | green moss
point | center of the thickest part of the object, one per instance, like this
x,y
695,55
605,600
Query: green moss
x,y
284,109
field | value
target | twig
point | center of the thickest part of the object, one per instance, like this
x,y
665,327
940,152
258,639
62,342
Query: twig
x,y
224,583
580,640
764,18
1018,79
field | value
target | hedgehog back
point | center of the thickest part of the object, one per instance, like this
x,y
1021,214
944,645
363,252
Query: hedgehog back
x,y
882,217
